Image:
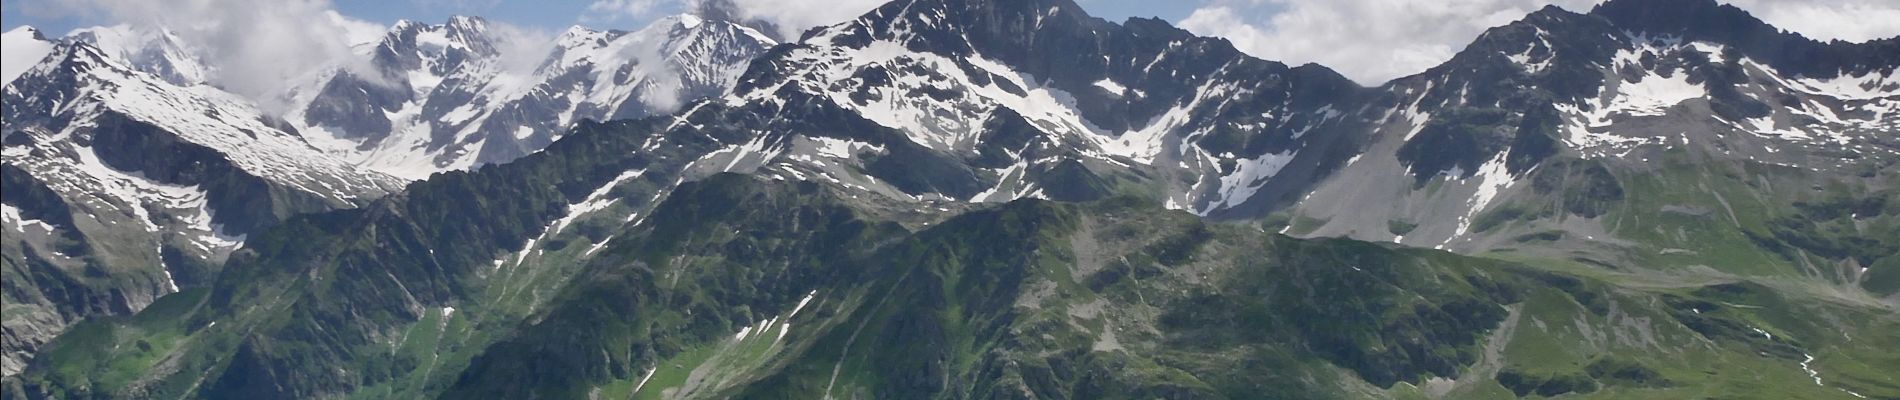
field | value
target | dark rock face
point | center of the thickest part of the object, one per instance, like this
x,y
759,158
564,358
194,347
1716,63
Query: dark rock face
x,y
138,202
1059,43
1183,100
243,203
356,107
437,92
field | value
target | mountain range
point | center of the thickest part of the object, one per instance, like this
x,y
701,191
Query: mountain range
x,y
960,199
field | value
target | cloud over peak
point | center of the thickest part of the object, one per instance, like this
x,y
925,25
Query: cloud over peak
x,y
1373,41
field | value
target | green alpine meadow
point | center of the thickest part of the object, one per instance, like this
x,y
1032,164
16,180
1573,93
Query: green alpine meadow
x,y
947,199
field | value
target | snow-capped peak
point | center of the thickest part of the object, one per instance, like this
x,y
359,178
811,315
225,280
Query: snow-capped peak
x,y
72,92
152,50
688,21
20,49
459,101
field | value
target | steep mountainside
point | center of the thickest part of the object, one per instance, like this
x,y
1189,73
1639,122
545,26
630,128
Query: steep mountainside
x,y
121,187
1613,138
744,287
443,97
167,174
1013,199
1003,100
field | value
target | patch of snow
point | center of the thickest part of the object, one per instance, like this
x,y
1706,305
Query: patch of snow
x,y
597,246
1650,94
643,379
171,285
1248,178
841,148
10,216
1011,175
1866,86
595,201
1492,178
1810,369
1524,60
1144,144
801,304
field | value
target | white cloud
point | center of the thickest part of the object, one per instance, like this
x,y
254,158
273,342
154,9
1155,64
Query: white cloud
x,y
255,48
1372,41
1851,20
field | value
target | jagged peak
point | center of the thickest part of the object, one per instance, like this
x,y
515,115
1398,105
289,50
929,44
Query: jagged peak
x,y
1155,26
679,26
688,21
579,30
726,11
900,20
1697,19
577,35
27,30
465,33
1710,21
1534,28
458,24
467,22
406,25
80,56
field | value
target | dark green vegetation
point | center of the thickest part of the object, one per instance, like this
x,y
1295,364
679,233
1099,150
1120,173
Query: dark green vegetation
x,y
623,262
1031,299
325,303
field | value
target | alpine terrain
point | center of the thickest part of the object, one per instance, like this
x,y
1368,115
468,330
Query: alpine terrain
x,y
958,199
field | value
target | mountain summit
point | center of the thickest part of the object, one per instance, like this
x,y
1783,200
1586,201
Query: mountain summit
x,y
977,199
445,99
146,177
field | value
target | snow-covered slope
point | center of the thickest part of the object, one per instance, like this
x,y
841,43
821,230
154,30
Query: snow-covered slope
x,y
155,51
993,101
1545,128
1548,127
123,186
20,49
131,174
57,99
448,100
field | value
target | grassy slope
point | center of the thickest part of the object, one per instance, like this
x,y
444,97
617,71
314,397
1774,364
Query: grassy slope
x,y
1119,299
1106,300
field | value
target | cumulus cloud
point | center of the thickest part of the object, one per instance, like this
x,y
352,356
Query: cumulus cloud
x,y
1850,20
1372,41
520,49
254,48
